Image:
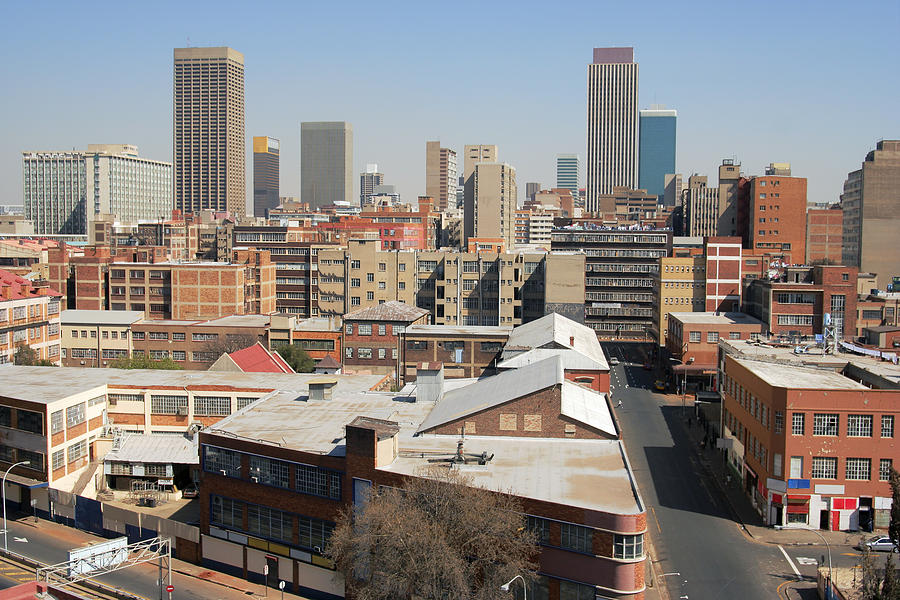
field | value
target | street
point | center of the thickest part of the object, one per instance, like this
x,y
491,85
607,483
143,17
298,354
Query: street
x,y
699,548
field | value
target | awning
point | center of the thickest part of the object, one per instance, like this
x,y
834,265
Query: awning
x,y
797,499
694,368
26,482
796,509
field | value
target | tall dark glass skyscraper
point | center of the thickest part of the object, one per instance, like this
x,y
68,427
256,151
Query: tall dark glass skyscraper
x,y
657,149
265,174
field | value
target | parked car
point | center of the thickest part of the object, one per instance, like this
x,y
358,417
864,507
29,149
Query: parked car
x,y
659,385
879,543
190,491
613,360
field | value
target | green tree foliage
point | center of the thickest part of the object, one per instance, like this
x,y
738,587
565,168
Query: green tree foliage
x,y
26,355
297,357
894,527
437,538
145,362
870,584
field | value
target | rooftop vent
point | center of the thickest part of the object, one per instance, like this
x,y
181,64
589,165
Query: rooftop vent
x,y
320,389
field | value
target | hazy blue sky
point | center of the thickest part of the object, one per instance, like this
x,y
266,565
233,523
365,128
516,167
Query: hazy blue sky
x,y
812,83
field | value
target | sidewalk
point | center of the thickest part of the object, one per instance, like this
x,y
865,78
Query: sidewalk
x,y
231,587
715,469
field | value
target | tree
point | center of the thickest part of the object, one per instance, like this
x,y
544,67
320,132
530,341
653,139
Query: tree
x,y
297,357
890,589
870,584
26,355
144,362
226,344
438,537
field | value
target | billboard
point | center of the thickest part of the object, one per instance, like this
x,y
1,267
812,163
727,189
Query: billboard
x,y
96,557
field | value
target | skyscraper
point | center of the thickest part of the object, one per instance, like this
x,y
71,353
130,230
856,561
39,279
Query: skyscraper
x,y
495,202
568,172
871,217
440,175
326,163
657,149
474,154
265,174
612,123
368,181
531,188
208,137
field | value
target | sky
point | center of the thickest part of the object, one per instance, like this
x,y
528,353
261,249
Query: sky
x,y
811,83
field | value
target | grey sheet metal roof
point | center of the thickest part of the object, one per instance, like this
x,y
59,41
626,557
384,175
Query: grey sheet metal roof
x,y
572,359
100,317
494,391
556,331
588,407
389,311
141,448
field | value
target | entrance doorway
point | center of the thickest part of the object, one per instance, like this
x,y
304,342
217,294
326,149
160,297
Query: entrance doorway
x,y
272,571
823,519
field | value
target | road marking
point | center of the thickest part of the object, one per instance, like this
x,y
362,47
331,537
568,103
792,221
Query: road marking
x,y
805,560
849,553
658,528
20,539
672,573
790,562
778,591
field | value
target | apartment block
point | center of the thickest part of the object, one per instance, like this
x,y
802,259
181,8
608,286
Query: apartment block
x,y
619,272
729,222
369,181
824,235
95,338
29,316
778,215
266,171
473,154
440,175
869,202
208,130
700,208
725,268
680,286
372,336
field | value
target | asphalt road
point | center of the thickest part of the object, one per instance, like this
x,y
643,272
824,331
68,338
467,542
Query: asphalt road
x,y
701,552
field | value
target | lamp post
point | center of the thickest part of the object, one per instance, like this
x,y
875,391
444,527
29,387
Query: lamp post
x,y
505,586
822,537
683,377
5,531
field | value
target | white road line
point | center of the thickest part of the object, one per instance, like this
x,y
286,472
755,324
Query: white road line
x,y
790,562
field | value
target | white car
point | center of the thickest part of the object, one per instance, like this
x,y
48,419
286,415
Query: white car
x,y
879,543
613,361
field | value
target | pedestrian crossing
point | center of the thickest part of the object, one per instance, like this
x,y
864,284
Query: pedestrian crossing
x,y
17,574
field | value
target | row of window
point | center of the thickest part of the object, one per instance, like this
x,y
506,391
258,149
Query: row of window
x,y
309,479
858,425
26,420
13,455
367,328
581,539
855,469
271,523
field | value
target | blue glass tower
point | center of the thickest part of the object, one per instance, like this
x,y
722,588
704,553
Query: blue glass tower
x,y
657,149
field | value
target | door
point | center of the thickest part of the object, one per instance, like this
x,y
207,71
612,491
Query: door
x,y
835,520
823,519
272,571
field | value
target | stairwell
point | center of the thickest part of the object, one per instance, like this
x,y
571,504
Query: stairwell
x,y
86,477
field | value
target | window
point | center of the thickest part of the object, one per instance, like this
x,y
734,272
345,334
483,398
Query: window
x,y
491,347
802,320
695,337
227,512
348,351
137,335
364,353
269,522
319,482
245,402
204,337
381,353
30,421
354,300
382,330
798,424
859,425
314,533
269,471
116,398
884,469
158,335
56,422
35,459
397,329
156,470
97,400
365,329
824,467
576,537
541,528
569,590
212,406
354,264
222,461
159,354
370,295
204,356
59,459
354,282
401,285
417,345
628,546
825,424
859,469
712,337
77,450
734,335
179,355
178,336
348,329
370,277
779,422
168,405
796,467
887,426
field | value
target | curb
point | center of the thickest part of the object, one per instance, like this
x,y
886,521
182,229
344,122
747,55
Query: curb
x,y
250,593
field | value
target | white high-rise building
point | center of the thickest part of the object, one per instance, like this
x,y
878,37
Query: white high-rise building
x,y
612,123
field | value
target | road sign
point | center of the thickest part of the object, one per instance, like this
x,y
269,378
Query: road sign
x,y
265,569
281,585
170,588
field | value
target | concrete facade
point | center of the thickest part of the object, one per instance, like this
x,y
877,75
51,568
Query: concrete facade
x,y
326,163
440,175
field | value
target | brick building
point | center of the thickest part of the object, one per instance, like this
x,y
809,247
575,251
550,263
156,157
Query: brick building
x,y
470,351
824,235
94,338
591,518
29,315
372,336
778,216
811,446
795,300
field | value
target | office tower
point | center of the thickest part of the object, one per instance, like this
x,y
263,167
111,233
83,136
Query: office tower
x,y
440,175
368,180
729,179
700,207
674,183
531,189
870,201
326,163
265,174
778,214
208,137
64,191
460,192
473,154
568,172
612,123
657,148
495,202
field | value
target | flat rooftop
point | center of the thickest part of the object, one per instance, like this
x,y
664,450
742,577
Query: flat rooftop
x,y
317,324
237,321
473,330
100,317
794,377
712,318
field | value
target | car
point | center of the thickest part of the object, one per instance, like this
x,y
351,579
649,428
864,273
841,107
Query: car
x,y
613,361
659,385
190,491
879,543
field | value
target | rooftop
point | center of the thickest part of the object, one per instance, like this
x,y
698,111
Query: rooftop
x,y
316,324
100,317
388,311
237,321
473,330
175,449
259,359
787,376
555,331
715,318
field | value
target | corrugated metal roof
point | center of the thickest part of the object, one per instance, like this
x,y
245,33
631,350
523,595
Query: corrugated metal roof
x,y
389,311
100,317
588,407
140,448
556,331
572,359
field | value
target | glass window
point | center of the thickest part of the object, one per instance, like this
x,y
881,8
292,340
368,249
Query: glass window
x,y
30,421
222,461
825,424
226,512
859,425
628,546
270,471
269,522
798,424
319,482
695,336
779,422
569,590
576,537
56,422
541,529
859,469
884,469
824,467
314,533
887,426
712,337
168,405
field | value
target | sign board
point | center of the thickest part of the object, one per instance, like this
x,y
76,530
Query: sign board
x,y
165,482
98,556
265,569
170,588
281,585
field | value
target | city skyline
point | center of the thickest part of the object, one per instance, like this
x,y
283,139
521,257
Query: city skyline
x,y
823,141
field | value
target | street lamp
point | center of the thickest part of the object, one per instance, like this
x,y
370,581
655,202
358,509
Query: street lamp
x,y
505,586
5,531
818,533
